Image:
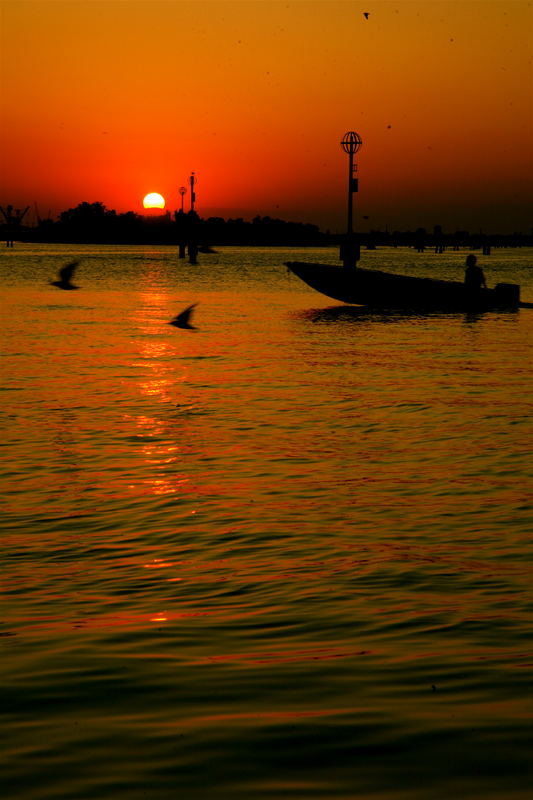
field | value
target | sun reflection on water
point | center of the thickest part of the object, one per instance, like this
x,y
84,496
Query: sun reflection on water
x,y
163,438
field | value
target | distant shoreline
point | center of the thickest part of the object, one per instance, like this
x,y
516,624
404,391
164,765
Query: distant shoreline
x,y
92,223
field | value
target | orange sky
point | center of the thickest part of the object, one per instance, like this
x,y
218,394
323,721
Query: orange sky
x,y
110,100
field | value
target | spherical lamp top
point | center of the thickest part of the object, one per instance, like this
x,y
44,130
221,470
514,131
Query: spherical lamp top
x,y
351,142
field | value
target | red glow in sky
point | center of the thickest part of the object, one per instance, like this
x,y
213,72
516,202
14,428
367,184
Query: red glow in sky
x,y
103,101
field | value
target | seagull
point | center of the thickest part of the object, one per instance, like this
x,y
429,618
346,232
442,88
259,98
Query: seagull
x,y
65,274
182,319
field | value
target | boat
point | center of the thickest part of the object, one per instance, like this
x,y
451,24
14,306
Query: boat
x,y
386,290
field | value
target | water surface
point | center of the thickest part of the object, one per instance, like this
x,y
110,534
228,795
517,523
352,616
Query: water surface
x,y
283,555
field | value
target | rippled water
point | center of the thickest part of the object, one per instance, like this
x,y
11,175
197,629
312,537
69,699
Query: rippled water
x,y
283,555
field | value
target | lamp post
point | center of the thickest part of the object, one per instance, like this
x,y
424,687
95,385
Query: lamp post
x,y
351,144
183,191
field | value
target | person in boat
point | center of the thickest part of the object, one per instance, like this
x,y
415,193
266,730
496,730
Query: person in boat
x,y
474,277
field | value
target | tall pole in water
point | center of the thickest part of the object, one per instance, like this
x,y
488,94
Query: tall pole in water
x,y
351,143
193,232
192,181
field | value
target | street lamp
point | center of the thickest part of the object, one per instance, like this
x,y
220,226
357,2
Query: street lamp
x,y
351,144
183,191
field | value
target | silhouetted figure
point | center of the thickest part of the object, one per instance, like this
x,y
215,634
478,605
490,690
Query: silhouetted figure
x,y
65,274
13,220
474,276
182,319
474,279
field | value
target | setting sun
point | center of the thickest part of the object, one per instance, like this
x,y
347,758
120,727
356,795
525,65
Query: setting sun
x,y
154,200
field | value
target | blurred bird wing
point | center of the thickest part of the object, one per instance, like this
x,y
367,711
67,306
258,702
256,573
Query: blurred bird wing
x,y
66,272
182,319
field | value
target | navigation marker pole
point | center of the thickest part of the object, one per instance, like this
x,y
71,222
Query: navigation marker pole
x,y
193,226
192,181
350,251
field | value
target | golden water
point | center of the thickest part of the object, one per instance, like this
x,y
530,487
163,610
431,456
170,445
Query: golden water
x,y
283,555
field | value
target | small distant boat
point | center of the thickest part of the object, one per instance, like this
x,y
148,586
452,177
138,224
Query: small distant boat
x,y
386,290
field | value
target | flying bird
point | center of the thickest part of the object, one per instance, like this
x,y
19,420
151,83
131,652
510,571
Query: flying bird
x,y
65,274
366,14
181,320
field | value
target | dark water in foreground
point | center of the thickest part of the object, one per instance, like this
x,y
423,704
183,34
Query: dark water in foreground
x,y
285,555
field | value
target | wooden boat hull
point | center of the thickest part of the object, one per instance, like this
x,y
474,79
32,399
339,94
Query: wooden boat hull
x,y
385,290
